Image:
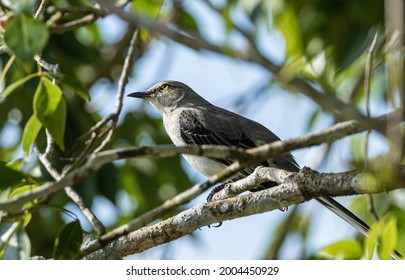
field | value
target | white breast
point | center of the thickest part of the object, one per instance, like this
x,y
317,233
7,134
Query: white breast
x,y
206,166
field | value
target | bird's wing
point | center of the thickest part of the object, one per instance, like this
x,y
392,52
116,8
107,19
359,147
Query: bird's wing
x,y
194,131
197,130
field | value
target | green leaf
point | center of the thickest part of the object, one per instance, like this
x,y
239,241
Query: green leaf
x,y
9,89
313,117
75,85
150,8
384,233
389,237
286,21
344,249
370,242
186,21
22,190
30,133
50,109
9,176
68,242
25,37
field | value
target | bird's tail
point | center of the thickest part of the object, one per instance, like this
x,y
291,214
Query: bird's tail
x,y
349,217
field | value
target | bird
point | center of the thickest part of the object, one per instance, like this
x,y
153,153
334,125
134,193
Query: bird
x,y
189,119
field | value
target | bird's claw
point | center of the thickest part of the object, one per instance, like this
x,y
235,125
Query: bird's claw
x,y
211,195
214,191
216,225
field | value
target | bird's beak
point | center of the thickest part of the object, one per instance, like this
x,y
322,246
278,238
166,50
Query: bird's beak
x,y
140,94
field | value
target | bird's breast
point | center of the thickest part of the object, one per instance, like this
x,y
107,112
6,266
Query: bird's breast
x,y
204,165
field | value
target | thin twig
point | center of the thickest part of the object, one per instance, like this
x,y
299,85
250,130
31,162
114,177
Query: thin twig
x,y
119,99
91,217
54,68
94,129
70,192
45,158
394,59
83,155
72,25
367,81
121,87
41,9
76,10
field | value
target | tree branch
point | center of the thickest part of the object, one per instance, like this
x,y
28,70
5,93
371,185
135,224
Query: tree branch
x,y
41,9
295,188
121,87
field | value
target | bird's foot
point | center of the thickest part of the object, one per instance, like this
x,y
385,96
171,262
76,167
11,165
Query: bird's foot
x,y
214,191
211,195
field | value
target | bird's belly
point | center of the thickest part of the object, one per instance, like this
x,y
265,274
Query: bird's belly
x,y
206,166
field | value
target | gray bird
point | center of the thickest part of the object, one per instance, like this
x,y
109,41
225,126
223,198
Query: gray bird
x,y
189,119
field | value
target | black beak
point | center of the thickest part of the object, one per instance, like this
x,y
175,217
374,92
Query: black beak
x,y
139,94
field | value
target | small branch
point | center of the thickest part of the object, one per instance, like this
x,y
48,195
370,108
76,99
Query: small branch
x,y
53,68
76,10
91,217
114,116
72,25
94,129
41,9
367,81
394,62
70,192
83,155
121,87
57,13
45,157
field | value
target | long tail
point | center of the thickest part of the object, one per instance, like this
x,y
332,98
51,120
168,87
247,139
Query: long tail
x,y
349,217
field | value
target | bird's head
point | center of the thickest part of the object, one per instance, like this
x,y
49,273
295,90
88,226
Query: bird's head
x,y
166,95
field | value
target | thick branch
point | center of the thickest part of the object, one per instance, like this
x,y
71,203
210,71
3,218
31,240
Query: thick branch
x,y
296,188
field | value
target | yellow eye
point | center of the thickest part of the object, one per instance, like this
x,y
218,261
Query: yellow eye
x,y
164,87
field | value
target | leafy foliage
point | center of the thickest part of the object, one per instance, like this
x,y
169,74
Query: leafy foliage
x,y
26,37
68,242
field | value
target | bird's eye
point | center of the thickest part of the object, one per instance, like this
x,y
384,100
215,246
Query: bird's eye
x,y
164,87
